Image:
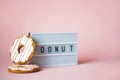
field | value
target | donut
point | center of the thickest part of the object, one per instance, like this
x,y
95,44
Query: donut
x,y
30,68
27,54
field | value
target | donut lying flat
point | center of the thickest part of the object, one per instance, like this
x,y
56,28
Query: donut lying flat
x,y
23,68
29,49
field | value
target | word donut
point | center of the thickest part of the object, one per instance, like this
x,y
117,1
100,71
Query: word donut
x,y
27,54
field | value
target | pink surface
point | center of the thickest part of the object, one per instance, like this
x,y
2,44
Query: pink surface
x,y
96,22
87,71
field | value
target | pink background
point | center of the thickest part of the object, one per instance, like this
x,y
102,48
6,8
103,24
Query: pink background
x,y
96,22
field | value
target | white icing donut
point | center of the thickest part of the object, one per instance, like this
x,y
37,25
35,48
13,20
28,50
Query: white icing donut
x,y
29,48
24,67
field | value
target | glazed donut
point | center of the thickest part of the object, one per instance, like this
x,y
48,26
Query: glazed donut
x,y
29,49
24,68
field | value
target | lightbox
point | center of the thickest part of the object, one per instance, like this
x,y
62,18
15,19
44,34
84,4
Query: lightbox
x,y
54,49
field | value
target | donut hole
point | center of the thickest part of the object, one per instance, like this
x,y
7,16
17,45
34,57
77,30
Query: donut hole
x,y
21,48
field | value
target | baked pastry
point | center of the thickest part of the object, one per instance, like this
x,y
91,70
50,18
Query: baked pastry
x,y
29,49
23,68
22,59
